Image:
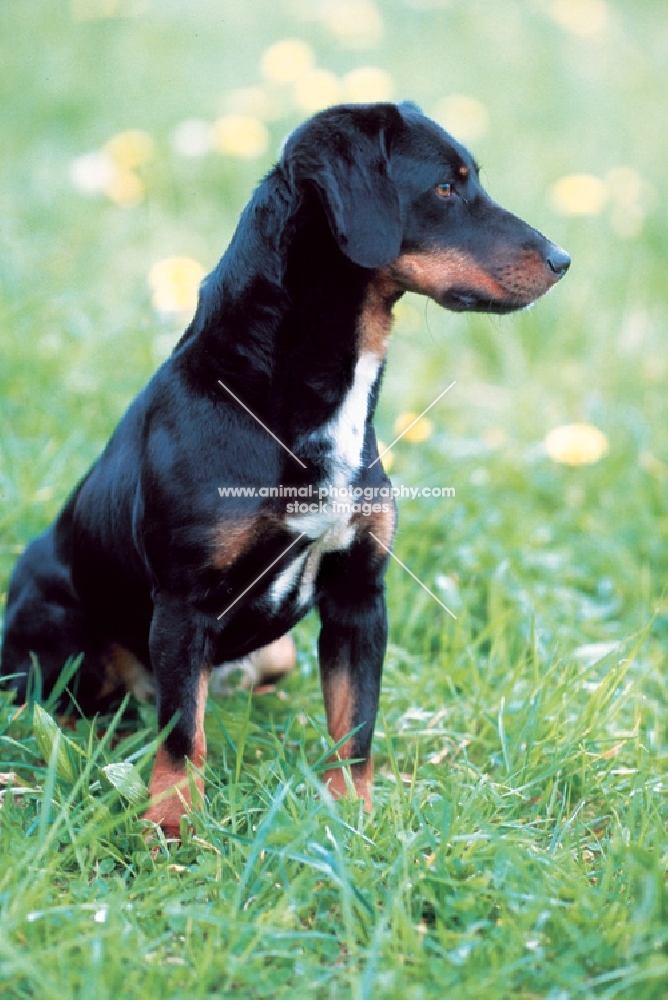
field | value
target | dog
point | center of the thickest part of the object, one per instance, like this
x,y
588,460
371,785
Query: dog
x,y
148,574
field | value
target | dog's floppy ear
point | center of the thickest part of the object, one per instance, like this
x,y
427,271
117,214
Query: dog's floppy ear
x,y
343,154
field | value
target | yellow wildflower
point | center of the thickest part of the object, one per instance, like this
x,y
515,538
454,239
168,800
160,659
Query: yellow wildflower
x,y
387,460
240,135
576,444
130,149
465,117
367,83
357,24
175,283
420,431
317,90
287,60
125,188
579,194
586,18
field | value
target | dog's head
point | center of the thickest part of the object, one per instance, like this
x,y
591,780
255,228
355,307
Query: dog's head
x,y
404,198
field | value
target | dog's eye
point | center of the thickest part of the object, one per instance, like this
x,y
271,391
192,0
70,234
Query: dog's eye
x,y
444,190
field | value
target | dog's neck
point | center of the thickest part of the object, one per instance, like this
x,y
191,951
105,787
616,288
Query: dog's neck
x,y
285,317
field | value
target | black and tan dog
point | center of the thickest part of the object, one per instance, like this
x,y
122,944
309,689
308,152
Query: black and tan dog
x,y
147,571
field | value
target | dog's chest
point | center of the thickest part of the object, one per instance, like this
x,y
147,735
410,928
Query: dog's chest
x,y
345,430
328,521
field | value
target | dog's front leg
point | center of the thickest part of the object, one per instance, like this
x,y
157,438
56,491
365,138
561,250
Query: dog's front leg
x,y
353,639
180,656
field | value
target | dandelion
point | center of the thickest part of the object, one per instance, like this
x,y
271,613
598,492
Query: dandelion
x,y
466,117
97,173
387,460
422,430
175,283
111,170
317,90
357,24
578,194
576,444
125,188
242,136
586,18
287,60
367,83
130,149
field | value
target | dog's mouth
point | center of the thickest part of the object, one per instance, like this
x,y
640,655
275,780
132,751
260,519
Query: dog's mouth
x,y
460,300
460,282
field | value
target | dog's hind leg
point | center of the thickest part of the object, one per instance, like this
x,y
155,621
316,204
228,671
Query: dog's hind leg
x,y
45,626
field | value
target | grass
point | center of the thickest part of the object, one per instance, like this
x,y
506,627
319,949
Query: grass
x,y
517,846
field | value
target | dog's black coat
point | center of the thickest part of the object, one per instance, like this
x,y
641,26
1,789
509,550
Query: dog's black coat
x,y
365,203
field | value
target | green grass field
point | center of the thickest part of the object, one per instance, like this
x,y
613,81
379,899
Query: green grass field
x,y
518,842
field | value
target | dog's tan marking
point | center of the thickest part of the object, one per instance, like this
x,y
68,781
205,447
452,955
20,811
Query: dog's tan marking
x,y
339,698
375,321
232,538
463,172
170,785
525,275
381,523
363,781
122,669
436,272
520,275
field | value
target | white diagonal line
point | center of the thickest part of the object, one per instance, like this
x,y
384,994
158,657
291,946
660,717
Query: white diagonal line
x,y
264,426
412,424
410,573
277,559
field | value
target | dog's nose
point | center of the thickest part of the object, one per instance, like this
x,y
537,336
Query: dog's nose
x,y
558,261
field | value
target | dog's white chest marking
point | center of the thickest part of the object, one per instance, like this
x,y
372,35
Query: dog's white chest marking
x,y
330,527
346,429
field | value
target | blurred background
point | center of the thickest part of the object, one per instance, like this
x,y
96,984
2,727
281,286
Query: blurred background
x,y
133,132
